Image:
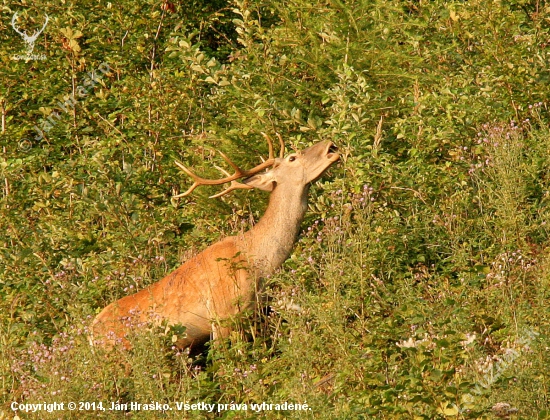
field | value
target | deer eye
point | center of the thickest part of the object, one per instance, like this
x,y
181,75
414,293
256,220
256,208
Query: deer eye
x,y
291,158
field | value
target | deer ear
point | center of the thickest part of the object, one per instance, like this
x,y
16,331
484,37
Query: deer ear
x,y
264,182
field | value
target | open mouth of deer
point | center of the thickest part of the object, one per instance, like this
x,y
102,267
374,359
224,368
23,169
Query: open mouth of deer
x,y
332,152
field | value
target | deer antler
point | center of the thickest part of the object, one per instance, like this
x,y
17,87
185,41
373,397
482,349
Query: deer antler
x,y
239,173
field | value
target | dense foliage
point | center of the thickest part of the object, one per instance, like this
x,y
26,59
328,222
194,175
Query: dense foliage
x,y
424,265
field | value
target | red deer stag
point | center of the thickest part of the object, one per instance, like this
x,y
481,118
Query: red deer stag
x,y
224,278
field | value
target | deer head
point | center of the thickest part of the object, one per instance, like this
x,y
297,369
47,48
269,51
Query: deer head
x,y
298,169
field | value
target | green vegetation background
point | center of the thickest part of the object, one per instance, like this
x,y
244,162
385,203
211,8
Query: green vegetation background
x,y
423,268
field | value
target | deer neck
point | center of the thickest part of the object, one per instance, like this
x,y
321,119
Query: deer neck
x,y
269,243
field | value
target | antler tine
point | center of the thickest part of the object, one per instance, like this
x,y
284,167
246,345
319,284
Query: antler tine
x,y
198,180
270,144
281,141
234,185
189,191
231,163
192,175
